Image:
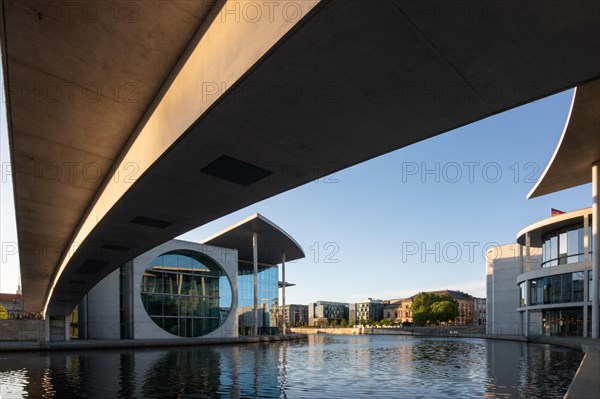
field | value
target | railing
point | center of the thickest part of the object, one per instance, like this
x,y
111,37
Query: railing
x,y
563,260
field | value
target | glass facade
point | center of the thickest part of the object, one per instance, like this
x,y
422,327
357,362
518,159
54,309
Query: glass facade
x,y
522,288
564,246
268,299
186,293
563,322
561,288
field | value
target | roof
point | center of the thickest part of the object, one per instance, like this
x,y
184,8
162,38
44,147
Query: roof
x,y
273,241
578,147
540,229
10,297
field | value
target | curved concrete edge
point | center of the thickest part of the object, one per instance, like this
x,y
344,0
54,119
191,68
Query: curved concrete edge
x,y
586,383
102,344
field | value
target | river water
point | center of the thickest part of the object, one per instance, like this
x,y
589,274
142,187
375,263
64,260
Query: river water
x,y
322,366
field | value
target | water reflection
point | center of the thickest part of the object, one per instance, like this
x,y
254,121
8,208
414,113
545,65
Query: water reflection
x,y
322,366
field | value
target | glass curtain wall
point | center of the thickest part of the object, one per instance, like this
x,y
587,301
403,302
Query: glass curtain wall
x,y
186,293
562,288
564,246
563,322
268,299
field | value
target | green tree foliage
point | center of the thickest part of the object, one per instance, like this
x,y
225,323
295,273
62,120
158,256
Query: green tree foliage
x,y
344,323
444,311
3,313
433,308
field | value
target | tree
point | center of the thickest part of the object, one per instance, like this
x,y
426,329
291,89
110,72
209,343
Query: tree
x,y
444,311
433,308
421,307
3,313
344,323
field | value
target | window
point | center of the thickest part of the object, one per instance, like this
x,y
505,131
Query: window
x,y
563,246
563,288
186,293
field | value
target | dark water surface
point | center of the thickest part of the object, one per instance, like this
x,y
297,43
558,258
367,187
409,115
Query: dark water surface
x,y
323,366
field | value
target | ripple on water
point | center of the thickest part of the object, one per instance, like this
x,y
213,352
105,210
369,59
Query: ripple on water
x,y
322,366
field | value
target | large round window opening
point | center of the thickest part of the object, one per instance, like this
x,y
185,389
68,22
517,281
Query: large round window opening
x,y
186,293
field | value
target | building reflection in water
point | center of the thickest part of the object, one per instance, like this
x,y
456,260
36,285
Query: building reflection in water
x,y
230,371
363,366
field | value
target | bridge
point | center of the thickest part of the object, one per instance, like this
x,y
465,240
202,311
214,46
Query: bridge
x,y
131,123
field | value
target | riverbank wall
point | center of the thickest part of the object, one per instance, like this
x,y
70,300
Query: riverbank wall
x,y
91,344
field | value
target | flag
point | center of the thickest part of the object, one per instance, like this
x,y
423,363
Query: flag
x,y
555,212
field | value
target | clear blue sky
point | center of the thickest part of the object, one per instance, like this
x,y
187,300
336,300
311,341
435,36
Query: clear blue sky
x,y
365,229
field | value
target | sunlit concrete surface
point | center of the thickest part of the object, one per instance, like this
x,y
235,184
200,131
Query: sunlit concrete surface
x,y
586,384
578,147
232,108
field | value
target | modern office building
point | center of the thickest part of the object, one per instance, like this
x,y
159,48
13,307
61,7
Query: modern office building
x,y
576,161
555,296
324,312
222,288
503,265
294,315
558,290
366,311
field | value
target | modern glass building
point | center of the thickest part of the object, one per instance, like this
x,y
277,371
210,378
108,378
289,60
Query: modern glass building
x,y
557,291
186,293
324,312
261,246
268,299
222,288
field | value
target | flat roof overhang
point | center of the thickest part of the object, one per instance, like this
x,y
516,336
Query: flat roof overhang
x,y
272,241
539,229
578,147
350,81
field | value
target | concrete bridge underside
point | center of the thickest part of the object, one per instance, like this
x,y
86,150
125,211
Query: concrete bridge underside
x,y
192,110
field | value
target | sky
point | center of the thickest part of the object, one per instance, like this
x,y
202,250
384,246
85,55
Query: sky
x,y
419,218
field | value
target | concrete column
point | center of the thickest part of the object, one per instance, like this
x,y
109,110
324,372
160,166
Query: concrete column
x,y
526,322
82,322
585,318
586,238
528,251
596,253
521,260
255,262
527,304
283,291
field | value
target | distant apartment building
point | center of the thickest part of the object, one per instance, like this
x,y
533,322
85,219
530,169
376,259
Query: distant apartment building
x,y
398,310
322,312
295,314
368,311
466,306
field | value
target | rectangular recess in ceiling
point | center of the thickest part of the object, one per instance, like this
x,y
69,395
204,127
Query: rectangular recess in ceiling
x,y
114,247
92,266
235,171
146,221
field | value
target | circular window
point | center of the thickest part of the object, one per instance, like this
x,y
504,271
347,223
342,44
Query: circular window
x,y
186,293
